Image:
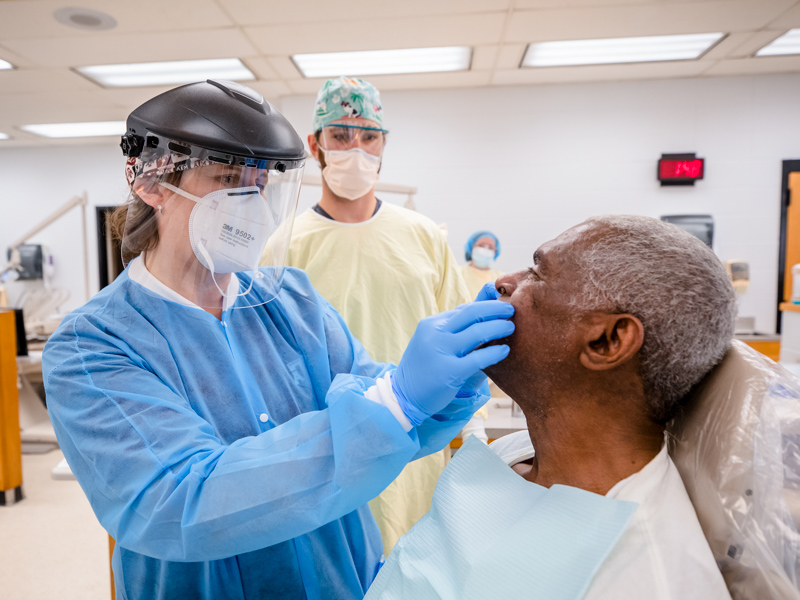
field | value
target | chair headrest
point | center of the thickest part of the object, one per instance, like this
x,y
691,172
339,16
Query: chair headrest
x,y
736,445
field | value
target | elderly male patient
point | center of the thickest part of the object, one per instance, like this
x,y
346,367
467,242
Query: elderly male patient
x,y
615,321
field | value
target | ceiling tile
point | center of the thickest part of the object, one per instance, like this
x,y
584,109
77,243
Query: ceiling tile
x,y
129,98
788,20
306,86
415,81
378,34
25,19
511,56
43,81
523,4
484,57
689,68
639,20
284,67
258,12
72,107
261,67
111,48
754,42
757,65
727,45
270,89
15,59
419,81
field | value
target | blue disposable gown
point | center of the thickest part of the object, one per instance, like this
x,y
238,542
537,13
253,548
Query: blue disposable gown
x,y
158,409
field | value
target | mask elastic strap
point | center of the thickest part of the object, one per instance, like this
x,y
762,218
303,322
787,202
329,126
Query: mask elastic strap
x,y
210,264
256,273
181,192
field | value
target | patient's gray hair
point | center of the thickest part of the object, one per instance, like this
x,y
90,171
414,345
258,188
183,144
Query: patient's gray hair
x,y
679,290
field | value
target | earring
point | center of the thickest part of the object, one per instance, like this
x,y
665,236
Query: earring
x,y
159,209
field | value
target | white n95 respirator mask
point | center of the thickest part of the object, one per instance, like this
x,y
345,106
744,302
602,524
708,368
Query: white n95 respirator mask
x,y
229,229
350,173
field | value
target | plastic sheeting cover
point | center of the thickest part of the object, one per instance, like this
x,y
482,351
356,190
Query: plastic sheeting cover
x,y
737,447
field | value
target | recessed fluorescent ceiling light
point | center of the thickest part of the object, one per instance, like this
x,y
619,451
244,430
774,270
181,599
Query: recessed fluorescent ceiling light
x,y
788,43
167,73
67,130
384,62
619,50
3,136
5,65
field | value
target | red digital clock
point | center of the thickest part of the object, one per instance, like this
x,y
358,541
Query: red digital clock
x,y
680,169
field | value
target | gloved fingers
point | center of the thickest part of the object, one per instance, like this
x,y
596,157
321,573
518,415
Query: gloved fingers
x,y
487,292
473,383
480,333
476,312
485,357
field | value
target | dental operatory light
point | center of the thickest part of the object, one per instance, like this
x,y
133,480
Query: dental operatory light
x,y
788,43
72,130
167,73
384,62
619,50
4,65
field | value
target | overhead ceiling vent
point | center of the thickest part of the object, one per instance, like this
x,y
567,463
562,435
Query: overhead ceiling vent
x,y
84,18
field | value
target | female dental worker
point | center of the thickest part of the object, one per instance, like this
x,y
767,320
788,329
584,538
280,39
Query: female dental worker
x,y
226,427
481,250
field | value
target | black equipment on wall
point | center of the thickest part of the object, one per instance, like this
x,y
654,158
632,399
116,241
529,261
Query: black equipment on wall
x,y
700,226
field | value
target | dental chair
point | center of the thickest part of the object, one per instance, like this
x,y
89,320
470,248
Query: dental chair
x,y
736,445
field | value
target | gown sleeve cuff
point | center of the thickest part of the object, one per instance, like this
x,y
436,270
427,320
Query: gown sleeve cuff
x,y
382,393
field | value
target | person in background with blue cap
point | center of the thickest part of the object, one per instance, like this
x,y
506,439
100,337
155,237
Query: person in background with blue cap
x,y
225,425
381,266
480,251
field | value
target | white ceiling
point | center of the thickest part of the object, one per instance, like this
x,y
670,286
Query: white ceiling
x,y
264,33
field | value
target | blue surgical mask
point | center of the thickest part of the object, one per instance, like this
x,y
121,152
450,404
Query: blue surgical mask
x,y
482,257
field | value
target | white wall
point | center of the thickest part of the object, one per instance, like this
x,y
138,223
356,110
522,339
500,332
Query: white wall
x,y
525,162
529,162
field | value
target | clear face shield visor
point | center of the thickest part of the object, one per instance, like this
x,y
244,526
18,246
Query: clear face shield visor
x,y
343,137
203,229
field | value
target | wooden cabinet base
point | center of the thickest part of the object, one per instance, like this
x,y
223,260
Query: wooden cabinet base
x,y
769,349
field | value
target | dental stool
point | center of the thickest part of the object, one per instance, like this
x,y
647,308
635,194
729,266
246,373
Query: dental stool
x,y
736,445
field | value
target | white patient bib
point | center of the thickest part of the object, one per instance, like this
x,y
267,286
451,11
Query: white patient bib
x,y
491,534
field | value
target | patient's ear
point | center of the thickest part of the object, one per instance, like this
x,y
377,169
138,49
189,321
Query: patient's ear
x,y
610,341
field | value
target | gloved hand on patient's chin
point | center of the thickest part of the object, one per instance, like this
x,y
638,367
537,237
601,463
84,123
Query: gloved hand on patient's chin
x,y
477,383
441,357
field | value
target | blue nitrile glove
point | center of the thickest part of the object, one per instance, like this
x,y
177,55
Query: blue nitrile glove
x,y
487,292
478,381
441,356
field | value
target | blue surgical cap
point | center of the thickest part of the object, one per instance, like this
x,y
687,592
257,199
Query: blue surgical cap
x,y
475,237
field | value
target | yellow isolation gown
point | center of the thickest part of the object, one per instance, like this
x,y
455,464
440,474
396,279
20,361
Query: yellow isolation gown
x,y
477,278
384,275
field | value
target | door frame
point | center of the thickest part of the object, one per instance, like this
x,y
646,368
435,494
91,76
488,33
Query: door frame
x,y
789,166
